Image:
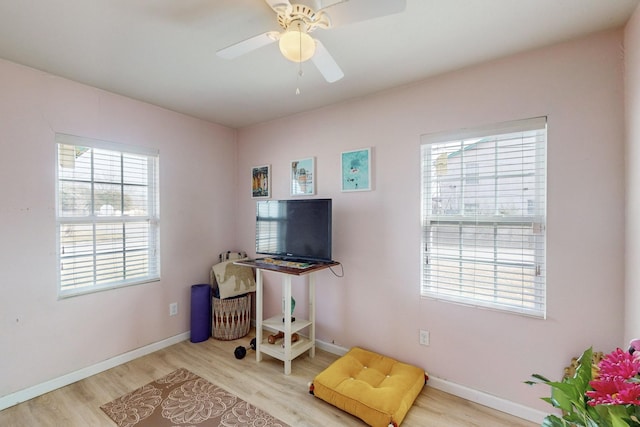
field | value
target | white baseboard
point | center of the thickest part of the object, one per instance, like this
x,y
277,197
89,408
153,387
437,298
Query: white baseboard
x,y
488,400
46,387
331,348
467,393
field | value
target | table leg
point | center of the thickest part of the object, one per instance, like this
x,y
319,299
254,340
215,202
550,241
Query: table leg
x,y
259,301
286,292
312,314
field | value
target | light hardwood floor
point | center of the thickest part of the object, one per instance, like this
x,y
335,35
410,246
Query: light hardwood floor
x,y
261,384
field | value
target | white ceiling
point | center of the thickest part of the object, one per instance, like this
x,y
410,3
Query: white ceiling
x,y
163,51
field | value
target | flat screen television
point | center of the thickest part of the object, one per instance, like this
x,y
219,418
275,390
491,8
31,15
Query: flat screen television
x,y
294,229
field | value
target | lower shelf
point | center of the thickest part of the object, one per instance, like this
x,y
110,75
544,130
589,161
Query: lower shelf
x,y
276,350
277,324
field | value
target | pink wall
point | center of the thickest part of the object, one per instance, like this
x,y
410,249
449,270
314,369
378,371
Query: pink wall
x,y
579,86
41,337
632,92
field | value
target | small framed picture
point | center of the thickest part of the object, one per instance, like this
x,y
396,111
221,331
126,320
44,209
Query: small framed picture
x,y
303,181
356,170
261,182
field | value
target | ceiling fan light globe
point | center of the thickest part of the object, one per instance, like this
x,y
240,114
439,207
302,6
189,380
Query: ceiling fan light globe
x,y
297,46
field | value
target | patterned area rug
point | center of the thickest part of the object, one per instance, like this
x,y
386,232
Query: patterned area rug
x,y
184,399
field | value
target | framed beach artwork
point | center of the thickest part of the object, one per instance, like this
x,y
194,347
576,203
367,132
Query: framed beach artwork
x,y
261,182
356,170
303,177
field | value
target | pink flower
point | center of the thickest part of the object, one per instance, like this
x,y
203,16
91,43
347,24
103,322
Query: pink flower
x,y
619,364
612,387
614,392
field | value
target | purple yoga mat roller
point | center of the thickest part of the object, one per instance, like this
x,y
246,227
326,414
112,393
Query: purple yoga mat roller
x,y
200,312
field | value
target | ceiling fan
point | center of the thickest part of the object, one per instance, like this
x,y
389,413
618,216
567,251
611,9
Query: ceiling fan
x,y
303,17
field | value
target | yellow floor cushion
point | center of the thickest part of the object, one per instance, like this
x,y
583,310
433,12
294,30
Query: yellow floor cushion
x,y
377,389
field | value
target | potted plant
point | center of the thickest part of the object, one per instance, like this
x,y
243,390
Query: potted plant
x,y
602,395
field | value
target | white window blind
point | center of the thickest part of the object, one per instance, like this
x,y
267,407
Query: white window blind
x,y
484,216
107,215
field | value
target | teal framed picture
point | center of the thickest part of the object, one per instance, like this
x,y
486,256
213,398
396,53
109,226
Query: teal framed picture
x,y
356,170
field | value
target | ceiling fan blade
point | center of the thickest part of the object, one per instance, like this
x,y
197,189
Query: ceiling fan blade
x,y
278,6
325,63
343,12
248,45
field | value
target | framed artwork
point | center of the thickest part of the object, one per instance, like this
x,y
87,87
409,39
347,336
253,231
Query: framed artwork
x,y
356,170
303,177
261,182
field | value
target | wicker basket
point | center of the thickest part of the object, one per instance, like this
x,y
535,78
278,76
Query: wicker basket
x,y
231,317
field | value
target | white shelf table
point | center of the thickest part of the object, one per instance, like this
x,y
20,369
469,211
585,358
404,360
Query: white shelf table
x,y
284,349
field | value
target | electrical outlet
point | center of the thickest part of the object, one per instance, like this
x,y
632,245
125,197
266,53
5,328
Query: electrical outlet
x,y
424,337
173,309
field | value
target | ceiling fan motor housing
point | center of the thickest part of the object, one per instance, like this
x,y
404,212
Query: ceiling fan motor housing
x,y
300,12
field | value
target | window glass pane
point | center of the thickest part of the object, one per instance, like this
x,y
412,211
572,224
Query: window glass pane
x,y
77,274
109,238
76,239
74,198
136,169
136,200
107,199
109,268
137,236
74,163
76,257
107,166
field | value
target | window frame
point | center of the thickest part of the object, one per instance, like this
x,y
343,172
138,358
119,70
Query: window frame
x,y
149,221
535,219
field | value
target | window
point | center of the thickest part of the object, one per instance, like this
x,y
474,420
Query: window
x,y
484,216
107,215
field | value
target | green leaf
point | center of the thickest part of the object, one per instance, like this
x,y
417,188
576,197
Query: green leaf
x,y
541,378
582,418
634,413
553,421
618,422
597,416
593,423
563,392
560,400
613,415
584,372
618,415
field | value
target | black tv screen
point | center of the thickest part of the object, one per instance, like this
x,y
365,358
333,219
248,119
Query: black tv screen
x,y
294,229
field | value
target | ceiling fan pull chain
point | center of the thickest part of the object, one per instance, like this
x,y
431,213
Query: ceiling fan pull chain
x,y
300,73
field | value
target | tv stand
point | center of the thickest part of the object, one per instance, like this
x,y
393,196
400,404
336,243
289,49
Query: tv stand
x,y
283,349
